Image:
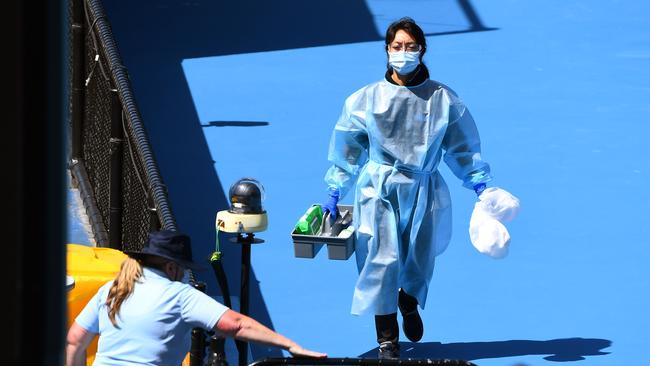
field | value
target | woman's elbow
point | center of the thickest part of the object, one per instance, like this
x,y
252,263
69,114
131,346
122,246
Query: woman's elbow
x,y
77,341
230,323
78,337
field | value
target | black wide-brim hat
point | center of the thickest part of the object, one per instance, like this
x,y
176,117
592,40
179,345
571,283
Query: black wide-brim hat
x,y
171,245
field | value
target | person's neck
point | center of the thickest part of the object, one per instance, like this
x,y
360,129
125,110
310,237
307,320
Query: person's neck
x,y
400,79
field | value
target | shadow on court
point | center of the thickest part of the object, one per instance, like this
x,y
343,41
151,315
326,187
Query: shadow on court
x,y
154,37
558,350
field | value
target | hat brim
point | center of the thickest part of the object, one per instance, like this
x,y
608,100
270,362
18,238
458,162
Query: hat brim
x,y
187,264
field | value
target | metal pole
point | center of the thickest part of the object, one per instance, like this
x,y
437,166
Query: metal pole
x,y
217,353
78,71
115,188
360,362
197,349
245,273
154,222
242,347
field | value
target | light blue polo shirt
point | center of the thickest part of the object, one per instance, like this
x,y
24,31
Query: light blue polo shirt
x,y
155,322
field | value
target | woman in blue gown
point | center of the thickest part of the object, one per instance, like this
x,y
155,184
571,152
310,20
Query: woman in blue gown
x,y
389,140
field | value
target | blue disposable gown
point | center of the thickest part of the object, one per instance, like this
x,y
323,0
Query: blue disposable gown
x,y
389,140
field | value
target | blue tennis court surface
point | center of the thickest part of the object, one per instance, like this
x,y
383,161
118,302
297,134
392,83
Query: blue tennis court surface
x,y
559,91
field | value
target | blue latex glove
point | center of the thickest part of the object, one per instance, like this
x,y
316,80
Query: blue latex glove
x,y
330,205
479,188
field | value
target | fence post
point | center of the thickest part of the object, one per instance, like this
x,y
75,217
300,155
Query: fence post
x,y
116,172
154,222
78,70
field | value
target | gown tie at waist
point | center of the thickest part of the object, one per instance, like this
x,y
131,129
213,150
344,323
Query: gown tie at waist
x,y
402,168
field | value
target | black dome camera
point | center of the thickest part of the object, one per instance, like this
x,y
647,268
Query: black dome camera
x,y
246,197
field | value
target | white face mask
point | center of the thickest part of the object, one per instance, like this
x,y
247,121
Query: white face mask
x,y
404,62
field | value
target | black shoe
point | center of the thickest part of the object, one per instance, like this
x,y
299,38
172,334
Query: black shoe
x,y
388,350
411,321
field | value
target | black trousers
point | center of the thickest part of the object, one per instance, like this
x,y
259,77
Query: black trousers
x,y
386,325
387,328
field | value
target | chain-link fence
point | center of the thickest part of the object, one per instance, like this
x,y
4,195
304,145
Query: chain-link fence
x,y
110,157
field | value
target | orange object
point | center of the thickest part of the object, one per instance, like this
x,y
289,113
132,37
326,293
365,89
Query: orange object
x,y
91,268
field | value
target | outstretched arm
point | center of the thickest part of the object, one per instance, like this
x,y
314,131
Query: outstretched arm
x,y
247,329
77,342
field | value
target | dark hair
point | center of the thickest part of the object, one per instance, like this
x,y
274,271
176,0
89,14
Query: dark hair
x,y
408,25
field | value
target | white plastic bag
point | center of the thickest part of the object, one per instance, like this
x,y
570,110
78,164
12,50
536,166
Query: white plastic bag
x,y
487,232
500,204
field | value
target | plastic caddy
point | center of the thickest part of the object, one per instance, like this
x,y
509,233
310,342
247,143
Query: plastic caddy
x,y
338,247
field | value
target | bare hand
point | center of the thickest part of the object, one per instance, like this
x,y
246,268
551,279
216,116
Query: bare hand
x,y
297,351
